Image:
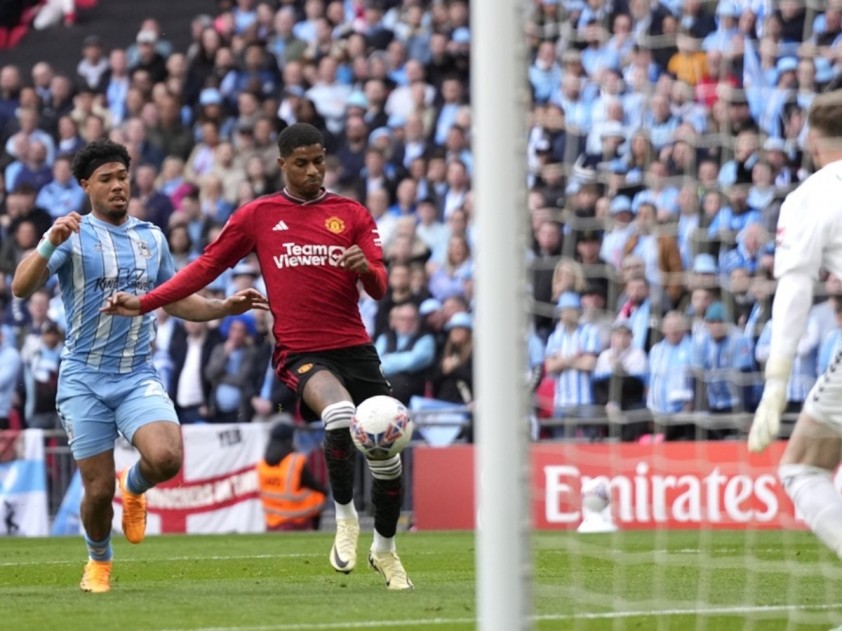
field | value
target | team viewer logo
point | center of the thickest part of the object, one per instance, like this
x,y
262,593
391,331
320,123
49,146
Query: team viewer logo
x,y
335,225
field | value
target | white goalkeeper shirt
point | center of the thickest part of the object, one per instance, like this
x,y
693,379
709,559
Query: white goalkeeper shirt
x,y
809,237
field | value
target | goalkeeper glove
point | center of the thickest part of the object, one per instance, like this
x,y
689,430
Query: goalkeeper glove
x,y
767,419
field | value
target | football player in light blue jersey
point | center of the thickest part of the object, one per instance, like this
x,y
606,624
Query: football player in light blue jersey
x,y
107,384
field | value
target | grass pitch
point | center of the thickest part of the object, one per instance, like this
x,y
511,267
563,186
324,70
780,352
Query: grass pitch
x,y
282,582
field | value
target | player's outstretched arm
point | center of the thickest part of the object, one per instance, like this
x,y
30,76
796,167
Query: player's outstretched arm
x,y
33,271
199,309
195,307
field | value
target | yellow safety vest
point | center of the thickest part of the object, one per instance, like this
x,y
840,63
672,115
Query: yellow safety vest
x,y
284,500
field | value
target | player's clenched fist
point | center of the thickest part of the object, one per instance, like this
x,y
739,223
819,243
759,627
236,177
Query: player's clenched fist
x,y
354,260
63,227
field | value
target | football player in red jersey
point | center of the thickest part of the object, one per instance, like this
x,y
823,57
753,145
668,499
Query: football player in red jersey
x,y
314,248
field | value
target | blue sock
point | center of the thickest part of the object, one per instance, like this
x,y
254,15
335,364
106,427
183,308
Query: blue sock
x,y
99,550
135,482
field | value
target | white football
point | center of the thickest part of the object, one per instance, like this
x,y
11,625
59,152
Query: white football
x,y
381,427
596,495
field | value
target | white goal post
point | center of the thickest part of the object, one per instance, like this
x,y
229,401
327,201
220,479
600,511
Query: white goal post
x,y
498,98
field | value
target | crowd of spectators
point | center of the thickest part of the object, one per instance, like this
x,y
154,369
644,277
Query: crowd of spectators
x,y
662,139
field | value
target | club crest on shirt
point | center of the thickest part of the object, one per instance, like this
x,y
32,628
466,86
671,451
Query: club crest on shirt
x,y
335,225
143,249
304,369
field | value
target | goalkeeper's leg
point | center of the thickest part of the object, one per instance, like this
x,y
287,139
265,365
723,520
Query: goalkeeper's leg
x,y
806,471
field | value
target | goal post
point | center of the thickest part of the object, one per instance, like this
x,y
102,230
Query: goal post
x,y
498,98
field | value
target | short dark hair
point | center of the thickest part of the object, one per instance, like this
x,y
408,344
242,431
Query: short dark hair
x,y
95,155
298,135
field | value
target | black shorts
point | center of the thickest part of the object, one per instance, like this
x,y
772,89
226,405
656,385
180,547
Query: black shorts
x,y
357,368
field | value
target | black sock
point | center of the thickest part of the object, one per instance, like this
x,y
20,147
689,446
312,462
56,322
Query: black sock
x,y
387,499
340,455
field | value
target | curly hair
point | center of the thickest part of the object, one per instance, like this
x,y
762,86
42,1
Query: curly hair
x,y
97,153
298,135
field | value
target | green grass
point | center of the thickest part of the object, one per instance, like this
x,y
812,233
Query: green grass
x,y
633,580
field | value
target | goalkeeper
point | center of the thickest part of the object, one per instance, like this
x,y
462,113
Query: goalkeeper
x,y
809,237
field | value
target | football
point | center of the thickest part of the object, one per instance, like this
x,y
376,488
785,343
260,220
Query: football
x,y
595,495
381,427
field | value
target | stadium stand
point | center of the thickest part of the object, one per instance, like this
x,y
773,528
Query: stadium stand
x,y
662,139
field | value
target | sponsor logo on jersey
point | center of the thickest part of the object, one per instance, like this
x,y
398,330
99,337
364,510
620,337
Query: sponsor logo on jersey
x,y
335,225
304,369
281,225
309,255
126,280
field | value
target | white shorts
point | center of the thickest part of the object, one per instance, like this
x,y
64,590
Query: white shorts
x,y
824,402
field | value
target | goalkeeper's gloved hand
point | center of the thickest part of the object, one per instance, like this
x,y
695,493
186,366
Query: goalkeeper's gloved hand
x,y
767,419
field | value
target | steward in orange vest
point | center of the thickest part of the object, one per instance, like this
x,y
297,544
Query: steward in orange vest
x,y
292,498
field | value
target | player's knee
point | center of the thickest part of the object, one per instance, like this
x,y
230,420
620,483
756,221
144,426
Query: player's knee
x,y
100,491
165,460
338,415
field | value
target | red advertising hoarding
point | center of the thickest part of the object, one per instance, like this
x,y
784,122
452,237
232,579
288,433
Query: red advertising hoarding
x,y
687,485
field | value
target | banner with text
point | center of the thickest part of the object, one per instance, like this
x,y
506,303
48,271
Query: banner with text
x,y
688,485
215,491
23,488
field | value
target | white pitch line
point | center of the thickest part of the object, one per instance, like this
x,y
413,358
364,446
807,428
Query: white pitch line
x,y
291,555
606,615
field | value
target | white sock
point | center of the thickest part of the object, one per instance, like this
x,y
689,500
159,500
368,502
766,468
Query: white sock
x,y
390,469
345,511
811,490
383,544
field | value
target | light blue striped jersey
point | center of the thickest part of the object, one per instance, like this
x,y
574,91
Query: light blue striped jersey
x,y
99,260
573,387
670,383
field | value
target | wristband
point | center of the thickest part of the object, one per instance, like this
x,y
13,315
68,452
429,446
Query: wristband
x,y
46,248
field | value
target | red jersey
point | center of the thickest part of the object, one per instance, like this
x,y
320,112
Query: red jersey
x,y
298,243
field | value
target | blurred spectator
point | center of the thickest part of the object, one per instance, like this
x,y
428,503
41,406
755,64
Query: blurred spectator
x,y
670,382
407,352
10,372
230,369
398,292
41,378
94,65
190,348
148,59
570,358
452,377
157,205
26,133
637,310
31,168
724,355
63,194
23,239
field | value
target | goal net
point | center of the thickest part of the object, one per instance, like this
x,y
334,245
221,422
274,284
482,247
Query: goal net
x,y
661,142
